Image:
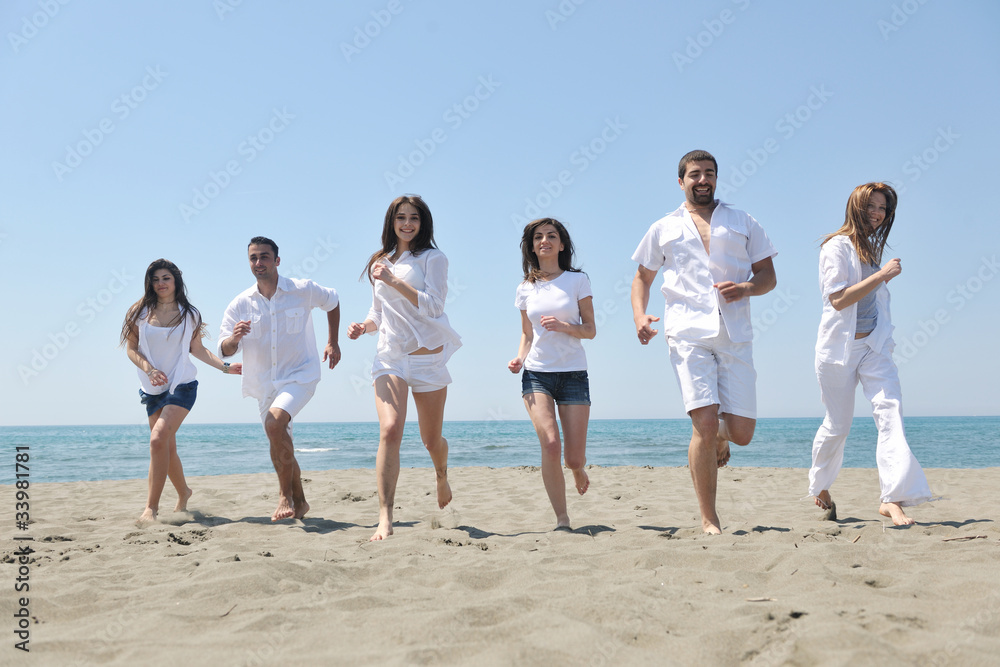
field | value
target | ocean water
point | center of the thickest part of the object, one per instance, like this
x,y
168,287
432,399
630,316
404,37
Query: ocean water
x,y
88,453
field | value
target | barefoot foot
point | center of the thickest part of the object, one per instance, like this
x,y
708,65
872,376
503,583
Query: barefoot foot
x,y
383,531
443,491
147,517
285,510
182,502
825,503
895,512
562,522
582,480
722,452
301,508
710,525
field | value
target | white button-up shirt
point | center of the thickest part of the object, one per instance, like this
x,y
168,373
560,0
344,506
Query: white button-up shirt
x,y
692,304
839,268
404,328
281,346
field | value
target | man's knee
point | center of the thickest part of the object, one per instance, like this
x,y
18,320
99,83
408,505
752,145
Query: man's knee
x,y
276,424
575,461
705,420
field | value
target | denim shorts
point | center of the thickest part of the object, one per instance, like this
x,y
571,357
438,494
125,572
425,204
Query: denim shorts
x,y
565,387
183,396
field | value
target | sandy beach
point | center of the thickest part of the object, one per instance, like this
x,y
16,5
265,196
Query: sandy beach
x,y
487,582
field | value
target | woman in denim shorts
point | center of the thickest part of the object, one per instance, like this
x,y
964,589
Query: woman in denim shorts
x,y
162,330
557,312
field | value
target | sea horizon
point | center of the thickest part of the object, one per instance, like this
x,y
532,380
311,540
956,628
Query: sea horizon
x,y
121,451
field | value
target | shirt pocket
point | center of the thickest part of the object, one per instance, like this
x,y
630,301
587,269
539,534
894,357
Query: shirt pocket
x,y
676,248
295,319
733,242
252,315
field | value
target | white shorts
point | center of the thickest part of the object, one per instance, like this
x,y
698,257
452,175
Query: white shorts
x,y
291,398
715,371
422,372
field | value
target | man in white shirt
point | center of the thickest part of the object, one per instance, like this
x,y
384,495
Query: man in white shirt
x,y
713,257
272,324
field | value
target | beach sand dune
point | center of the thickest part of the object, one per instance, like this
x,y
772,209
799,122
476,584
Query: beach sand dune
x,y
487,582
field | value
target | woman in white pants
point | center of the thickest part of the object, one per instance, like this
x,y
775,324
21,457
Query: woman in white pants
x,y
855,344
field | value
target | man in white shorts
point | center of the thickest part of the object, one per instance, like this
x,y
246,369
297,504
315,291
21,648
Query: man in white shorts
x,y
272,324
713,257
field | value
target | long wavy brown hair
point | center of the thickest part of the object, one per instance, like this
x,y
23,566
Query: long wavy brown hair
x,y
529,260
869,243
422,241
148,301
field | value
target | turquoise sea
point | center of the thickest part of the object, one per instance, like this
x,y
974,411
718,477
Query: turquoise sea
x,y
87,453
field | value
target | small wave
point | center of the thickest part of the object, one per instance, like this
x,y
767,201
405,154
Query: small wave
x,y
317,449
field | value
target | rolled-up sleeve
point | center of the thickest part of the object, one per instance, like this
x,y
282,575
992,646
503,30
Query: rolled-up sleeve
x,y
375,312
229,321
324,298
834,266
431,300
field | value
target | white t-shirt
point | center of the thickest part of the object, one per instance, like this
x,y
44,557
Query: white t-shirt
x,y
553,351
169,350
674,245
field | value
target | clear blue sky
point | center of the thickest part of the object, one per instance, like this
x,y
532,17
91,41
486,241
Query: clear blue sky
x,y
132,131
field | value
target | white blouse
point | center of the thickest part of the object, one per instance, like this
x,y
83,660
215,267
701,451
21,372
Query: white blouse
x,y
404,328
839,268
169,350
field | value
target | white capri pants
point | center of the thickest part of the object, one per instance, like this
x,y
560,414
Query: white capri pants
x,y
900,476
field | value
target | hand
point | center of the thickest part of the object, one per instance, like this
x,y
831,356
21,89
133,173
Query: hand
x,y
332,352
515,365
645,332
157,378
355,330
731,291
241,329
236,369
892,269
550,323
383,273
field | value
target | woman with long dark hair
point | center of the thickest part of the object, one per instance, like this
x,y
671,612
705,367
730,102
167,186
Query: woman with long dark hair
x,y
855,345
557,312
409,278
162,330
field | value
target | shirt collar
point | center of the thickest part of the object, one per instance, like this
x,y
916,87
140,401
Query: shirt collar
x,y
284,285
681,210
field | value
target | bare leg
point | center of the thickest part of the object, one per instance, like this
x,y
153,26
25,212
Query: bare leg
x,y
703,461
542,410
176,474
162,431
430,416
574,420
722,452
390,404
895,512
283,458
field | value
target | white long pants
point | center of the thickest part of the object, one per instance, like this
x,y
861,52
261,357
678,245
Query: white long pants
x,y
900,476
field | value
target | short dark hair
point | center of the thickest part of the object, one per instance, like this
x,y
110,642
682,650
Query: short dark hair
x,y
695,156
263,240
